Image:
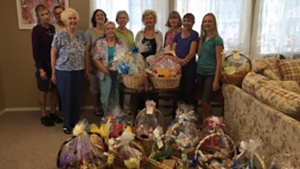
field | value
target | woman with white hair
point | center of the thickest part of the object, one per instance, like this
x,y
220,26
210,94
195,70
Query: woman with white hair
x,y
68,67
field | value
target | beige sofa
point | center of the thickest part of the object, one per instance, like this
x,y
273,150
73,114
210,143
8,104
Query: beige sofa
x,y
266,109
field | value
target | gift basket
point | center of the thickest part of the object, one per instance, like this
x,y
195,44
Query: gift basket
x,y
248,157
124,152
146,122
235,68
132,67
183,132
215,146
82,151
165,72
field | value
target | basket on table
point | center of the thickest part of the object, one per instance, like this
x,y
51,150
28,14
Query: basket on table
x,y
134,81
224,150
235,68
165,83
165,72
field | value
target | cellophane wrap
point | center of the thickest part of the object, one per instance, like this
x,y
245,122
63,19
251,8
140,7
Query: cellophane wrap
x,y
79,151
125,155
147,120
164,66
132,63
184,129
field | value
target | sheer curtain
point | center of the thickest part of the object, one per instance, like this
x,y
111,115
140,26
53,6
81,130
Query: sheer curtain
x,y
233,19
278,28
135,9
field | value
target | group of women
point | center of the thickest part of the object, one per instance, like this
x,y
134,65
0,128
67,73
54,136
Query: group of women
x,y
76,55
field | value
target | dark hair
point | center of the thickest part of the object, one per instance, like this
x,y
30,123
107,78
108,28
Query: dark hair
x,y
174,14
93,19
189,16
39,8
58,6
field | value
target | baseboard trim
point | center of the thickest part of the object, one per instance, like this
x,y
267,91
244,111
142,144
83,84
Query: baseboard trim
x,y
17,109
2,112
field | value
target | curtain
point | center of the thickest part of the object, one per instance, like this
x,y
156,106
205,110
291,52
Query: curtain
x,y
135,9
278,28
233,19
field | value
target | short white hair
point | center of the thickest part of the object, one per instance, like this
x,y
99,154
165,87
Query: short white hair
x,y
67,13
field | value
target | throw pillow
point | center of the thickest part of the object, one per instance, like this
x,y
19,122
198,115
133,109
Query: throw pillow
x,y
290,69
251,80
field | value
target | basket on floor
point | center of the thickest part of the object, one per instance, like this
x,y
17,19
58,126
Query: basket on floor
x,y
165,83
176,149
134,81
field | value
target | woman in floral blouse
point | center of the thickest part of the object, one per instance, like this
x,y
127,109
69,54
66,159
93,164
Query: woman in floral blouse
x,y
68,67
105,52
174,24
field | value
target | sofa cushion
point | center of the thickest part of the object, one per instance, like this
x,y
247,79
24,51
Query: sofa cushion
x,y
271,74
288,85
290,69
261,64
251,80
279,98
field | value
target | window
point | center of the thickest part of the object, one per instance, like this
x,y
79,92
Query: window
x,y
135,9
279,28
233,19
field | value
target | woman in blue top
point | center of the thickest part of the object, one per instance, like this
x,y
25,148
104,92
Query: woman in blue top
x,y
185,46
209,63
68,67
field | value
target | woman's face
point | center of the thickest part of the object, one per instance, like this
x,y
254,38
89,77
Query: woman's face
x,y
71,21
122,20
187,24
100,17
174,22
110,30
149,20
57,13
44,16
208,23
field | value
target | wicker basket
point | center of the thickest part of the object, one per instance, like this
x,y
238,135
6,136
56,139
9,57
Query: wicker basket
x,y
134,81
165,83
234,79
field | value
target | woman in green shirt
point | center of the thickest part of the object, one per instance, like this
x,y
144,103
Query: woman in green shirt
x,y
123,33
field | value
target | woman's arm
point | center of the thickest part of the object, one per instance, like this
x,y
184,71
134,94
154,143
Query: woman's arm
x,y
87,54
54,52
219,50
101,67
192,52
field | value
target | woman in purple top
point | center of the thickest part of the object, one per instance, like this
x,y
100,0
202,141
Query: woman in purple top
x,y
42,36
185,46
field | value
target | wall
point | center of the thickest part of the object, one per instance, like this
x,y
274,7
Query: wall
x,y
17,84
2,103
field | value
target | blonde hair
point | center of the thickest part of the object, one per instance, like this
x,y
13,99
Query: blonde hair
x,y
67,13
149,12
109,23
203,32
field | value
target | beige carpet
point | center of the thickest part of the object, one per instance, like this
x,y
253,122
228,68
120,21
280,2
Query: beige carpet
x,y
26,144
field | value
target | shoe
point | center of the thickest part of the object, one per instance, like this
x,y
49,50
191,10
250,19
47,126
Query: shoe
x,y
98,113
67,130
55,118
46,121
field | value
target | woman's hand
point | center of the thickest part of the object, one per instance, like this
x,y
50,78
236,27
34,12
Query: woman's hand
x,y
87,74
216,85
106,72
53,78
182,62
43,74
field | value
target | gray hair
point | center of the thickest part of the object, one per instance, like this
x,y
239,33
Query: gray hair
x,y
120,13
67,12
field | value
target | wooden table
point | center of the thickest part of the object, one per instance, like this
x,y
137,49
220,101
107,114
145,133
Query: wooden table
x,y
172,94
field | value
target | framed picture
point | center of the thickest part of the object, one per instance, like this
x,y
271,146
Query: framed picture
x,y
26,10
